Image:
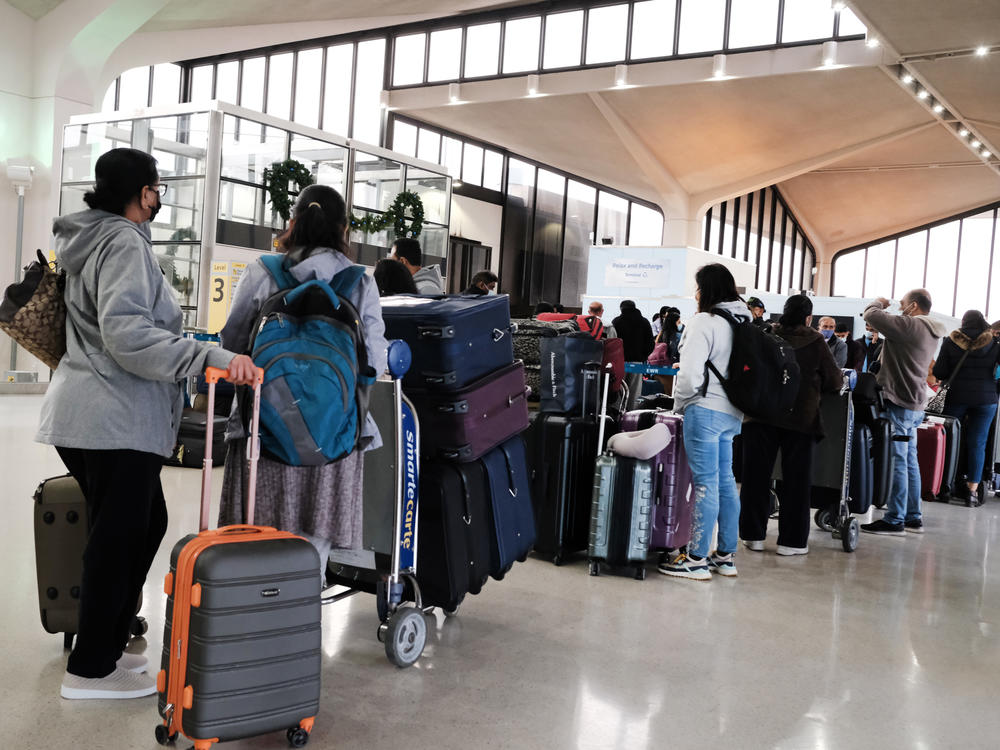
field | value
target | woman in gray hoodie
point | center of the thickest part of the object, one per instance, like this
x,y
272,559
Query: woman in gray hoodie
x,y
114,405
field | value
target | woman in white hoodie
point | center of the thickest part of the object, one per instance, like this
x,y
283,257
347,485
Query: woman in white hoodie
x,y
710,424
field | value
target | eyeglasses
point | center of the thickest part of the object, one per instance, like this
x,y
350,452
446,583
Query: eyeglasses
x,y
159,188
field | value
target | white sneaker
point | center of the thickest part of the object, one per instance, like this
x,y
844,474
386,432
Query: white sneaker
x,y
755,545
788,551
132,662
119,684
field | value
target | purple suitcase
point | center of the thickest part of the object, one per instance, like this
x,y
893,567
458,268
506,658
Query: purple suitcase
x,y
673,488
466,424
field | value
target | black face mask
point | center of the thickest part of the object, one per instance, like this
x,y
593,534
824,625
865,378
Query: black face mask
x,y
155,209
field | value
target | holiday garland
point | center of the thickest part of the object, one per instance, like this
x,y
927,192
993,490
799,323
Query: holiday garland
x,y
280,174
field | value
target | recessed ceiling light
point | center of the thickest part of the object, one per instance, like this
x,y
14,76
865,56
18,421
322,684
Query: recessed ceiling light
x,y
922,94
986,154
938,108
975,144
907,78
963,132
839,5
982,50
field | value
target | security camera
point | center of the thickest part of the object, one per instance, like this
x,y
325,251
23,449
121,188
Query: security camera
x,y
20,175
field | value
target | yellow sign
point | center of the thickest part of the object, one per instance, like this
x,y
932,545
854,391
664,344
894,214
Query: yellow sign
x,y
218,296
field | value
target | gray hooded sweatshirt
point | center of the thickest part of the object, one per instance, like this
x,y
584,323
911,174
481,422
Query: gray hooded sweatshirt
x,y
429,280
118,385
910,344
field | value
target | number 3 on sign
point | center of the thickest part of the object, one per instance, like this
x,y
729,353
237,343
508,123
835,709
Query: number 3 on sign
x,y
218,297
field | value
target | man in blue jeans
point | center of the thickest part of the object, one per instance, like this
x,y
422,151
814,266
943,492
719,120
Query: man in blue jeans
x,y
911,341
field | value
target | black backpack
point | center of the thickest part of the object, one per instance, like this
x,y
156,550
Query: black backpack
x,y
763,372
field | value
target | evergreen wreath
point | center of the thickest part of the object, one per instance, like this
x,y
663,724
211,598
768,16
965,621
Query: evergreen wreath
x,y
276,180
405,202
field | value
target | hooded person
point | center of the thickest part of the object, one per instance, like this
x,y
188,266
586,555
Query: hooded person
x,y
636,334
911,341
114,406
794,434
427,278
968,361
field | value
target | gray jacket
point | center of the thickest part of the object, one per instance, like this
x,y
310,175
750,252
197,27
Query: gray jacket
x,y
429,280
838,349
119,384
256,285
707,337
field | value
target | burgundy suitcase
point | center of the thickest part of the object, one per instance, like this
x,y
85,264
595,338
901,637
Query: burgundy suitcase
x,y
468,423
673,486
931,447
614,355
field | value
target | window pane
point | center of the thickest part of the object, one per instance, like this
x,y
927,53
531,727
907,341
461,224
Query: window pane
x,y
337,97
279,86
702,25
307,83
244,156
653,28
429,146
482,50
807,19
941,267
725,240
994,301
580,200
472,166
847,274
646,228
546,255
776,250
408,61
327,162
762,260
787,261
166,84
850,24
368,90
446,55
452,156
612,216
607,29
878,276
753,23
910,263
108,105
377,181
135,87
252,88
493,171
404,138
433,191
520,45
796,280
739,222
563,36
517,231
226,81
977,231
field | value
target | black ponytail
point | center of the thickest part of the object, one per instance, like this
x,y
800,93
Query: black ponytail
x,y
120,176
798,307
320,222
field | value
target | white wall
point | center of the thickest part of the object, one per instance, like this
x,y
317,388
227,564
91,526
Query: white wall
x,y
479,221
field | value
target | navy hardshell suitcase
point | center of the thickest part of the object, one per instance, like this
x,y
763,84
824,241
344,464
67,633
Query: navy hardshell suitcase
x,y
242,636
620,521
454,340
510,505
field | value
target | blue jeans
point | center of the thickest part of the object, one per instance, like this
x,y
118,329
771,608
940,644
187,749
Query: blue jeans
x,y
708,440
904,498
977,429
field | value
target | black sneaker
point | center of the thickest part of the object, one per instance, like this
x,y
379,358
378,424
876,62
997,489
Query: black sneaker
x,y
915,527
883,527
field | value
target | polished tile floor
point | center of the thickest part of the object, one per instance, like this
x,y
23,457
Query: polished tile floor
x,y
895,646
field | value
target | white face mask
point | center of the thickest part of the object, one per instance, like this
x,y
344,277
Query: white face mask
x,y
491,292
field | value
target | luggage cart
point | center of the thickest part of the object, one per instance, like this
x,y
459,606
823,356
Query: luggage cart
x,y
387,566
837,518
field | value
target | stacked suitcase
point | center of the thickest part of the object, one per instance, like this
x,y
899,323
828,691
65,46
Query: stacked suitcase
x,y
476,516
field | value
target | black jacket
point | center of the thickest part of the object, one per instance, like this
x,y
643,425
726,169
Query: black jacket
x,y
475,290
974,385
872,351
636,334
819,373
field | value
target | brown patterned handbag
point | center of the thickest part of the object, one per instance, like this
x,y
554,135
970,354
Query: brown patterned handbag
x,y
33,311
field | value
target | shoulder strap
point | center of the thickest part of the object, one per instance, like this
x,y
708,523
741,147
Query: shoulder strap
x,y
725,315
345,282
275,265
957,368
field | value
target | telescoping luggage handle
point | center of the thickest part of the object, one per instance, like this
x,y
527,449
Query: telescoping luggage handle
x,y
212,376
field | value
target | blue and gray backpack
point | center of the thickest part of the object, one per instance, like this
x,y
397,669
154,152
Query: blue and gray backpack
x,y
310,343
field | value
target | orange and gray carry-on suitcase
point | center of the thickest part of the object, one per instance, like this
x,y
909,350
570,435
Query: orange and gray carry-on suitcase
x,y
241,640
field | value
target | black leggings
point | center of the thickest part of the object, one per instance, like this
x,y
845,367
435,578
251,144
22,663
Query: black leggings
x,y
128,518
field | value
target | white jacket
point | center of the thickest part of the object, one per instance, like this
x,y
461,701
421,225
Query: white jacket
x,y
707,337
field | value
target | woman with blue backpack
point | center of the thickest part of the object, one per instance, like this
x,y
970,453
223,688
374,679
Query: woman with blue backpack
x,y
312,320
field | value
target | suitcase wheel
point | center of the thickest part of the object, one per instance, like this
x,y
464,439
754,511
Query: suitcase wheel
x,y
405,636
297,737
163,735
139,627
640,573
595,567
850,530
557,560
451,612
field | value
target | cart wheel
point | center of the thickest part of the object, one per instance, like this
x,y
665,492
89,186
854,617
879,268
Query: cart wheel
x,y
557,560
405,637
163,736
139,627
850,530
595,568
297,737
824,519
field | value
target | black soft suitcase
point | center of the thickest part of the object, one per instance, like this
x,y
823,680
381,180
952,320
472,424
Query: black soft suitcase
x,y
510,506
454,340
455,526
190,448
881,461
242,633
862,478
